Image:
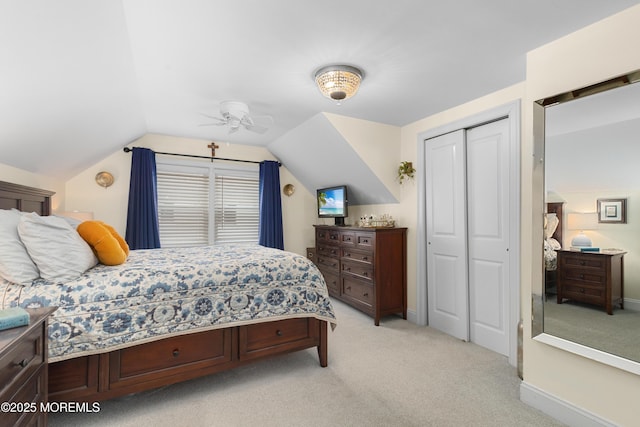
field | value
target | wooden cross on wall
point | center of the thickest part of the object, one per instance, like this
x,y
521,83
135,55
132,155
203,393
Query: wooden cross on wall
x,y
213,147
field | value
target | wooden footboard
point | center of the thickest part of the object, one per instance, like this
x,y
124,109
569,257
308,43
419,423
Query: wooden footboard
x,y
171,360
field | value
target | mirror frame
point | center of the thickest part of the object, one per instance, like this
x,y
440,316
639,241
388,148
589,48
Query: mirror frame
x,y
537,289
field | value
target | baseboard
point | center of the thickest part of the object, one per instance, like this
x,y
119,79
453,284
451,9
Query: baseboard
x,y
559,409
412,316
631,304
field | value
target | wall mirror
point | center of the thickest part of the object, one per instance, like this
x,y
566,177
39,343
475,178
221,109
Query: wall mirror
x,y
589,149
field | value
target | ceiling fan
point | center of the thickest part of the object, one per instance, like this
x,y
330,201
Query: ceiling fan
x,y
235,115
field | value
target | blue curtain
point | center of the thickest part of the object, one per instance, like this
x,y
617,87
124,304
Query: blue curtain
x,y
142,215
270,230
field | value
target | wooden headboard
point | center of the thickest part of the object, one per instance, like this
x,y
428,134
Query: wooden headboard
x,y
26,199
556,208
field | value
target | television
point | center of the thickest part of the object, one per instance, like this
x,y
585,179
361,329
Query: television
x,y
333,203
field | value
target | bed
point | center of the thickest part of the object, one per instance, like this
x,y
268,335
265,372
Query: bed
x,y
553,241
169,315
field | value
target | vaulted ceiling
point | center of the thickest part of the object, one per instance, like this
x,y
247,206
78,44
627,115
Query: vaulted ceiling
x,y
80,79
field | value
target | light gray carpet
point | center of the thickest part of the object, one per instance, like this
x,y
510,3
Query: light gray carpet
x,y
397,374
591,326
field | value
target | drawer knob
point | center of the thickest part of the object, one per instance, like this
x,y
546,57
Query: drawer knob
x,y
23,363
279,333
348,288
365,274
365,294
176,352
365,258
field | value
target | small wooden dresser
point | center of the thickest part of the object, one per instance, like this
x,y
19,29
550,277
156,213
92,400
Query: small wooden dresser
x,y
365,267
591,277
23,371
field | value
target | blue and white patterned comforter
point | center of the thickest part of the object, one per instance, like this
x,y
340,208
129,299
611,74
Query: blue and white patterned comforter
x,y
165,292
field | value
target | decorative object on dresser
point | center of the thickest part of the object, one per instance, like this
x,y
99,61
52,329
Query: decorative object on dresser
x,y
23,370
591,277
365,267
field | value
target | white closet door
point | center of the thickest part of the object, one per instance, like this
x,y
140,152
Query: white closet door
x,y
488,234
446,234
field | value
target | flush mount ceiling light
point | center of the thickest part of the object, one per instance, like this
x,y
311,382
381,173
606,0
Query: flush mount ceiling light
x,y
338,82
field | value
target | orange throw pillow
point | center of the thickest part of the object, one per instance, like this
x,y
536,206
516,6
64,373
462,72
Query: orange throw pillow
x,y
106,247
118,237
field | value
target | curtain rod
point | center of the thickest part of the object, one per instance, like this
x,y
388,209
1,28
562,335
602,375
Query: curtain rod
x,y
127,150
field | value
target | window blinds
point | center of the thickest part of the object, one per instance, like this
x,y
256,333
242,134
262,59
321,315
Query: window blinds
x,y
183,209
236,210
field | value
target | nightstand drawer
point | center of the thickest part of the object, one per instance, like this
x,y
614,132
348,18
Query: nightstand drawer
x,y
24,358
585,261
572,290
588,276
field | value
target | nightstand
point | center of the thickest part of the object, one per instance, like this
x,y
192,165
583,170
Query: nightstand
x,y
23,370
591,277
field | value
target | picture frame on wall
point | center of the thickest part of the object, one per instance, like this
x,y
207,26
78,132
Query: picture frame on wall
x,y
612,211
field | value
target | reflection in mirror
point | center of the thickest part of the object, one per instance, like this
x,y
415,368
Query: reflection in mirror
x,y
591,290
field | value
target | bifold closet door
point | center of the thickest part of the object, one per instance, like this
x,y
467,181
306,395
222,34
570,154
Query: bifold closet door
x,y
447,289
467,210
488,234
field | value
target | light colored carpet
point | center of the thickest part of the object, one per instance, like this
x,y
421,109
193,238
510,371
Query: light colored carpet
x,y
591,326
397,374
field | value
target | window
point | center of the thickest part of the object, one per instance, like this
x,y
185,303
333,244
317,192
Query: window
x,y
201,205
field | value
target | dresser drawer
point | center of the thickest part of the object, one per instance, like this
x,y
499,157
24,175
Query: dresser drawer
x,y
23,359
356,255
365,240
362,270
328,251
333,282
262,339
361,293
348,239
327,235
328,264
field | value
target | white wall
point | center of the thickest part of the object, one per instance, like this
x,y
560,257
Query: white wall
x,y
110,204
595,53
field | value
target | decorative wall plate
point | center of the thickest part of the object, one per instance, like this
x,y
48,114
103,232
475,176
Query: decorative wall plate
x,y
104,179
288,189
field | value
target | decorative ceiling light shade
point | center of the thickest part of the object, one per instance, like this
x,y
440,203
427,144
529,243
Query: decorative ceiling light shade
x,y
338,82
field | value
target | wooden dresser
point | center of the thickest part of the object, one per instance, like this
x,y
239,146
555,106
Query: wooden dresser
x,y
365,267
23,371
591,277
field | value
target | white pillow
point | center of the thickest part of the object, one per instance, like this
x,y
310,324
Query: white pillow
x,y
15,263
55,247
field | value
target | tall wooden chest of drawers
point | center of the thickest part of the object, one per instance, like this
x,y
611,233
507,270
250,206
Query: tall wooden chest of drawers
x,y
23,371
591,277
365,267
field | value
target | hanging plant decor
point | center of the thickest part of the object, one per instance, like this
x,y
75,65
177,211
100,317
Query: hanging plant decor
x,y
405,170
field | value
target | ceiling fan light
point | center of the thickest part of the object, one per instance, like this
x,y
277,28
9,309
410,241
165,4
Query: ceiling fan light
x,y
338,82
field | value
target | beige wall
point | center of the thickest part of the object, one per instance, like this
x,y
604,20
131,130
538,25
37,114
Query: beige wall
x,y
593,54
110,204
23,177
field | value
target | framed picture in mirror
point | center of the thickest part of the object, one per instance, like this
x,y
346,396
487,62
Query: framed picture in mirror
x,y
612,211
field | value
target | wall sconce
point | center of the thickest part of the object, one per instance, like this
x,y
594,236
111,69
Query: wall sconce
x,y
104,179
581,222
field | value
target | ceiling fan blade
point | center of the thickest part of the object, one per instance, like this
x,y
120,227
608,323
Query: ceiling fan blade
x,y
256,128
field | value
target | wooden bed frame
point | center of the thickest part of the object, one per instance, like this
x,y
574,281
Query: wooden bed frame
x,y
169,360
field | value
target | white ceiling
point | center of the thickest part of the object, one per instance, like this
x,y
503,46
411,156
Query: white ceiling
x,y
80,79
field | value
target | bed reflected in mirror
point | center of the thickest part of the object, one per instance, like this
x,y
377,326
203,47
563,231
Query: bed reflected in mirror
x,y
591,290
